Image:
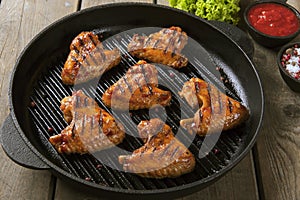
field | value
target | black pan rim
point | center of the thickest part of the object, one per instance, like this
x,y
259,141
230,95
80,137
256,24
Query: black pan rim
x,y
55,168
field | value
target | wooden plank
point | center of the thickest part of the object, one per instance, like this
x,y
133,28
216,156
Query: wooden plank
x,y
278,146
163,2
278,150
239,183
90,3
20,20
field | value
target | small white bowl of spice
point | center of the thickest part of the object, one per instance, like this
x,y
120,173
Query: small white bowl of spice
x,y
288,61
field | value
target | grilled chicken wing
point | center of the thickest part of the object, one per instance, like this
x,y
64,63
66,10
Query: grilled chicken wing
x,y
136,90
88,59
216,111
90,128
162,155
161,47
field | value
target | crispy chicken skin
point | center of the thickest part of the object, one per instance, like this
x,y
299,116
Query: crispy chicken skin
x,y
161,47
137,89
216,111
90,128
162,155
88,59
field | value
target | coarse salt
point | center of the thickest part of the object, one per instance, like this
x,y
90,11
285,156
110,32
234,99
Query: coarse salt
x,y
292,65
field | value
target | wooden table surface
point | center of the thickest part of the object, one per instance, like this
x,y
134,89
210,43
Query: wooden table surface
x,y
270,171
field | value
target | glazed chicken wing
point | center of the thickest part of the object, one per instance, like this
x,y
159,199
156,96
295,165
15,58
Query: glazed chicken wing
x,y
88,59
162,155
136,90
216,111
90,128
161,47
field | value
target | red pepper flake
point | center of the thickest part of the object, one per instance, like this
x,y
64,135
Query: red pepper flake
x,y
50,129
296,45
32,104
172,75
99,166
295,52
216,151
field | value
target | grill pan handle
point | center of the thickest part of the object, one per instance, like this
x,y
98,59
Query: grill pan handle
x,y
16,148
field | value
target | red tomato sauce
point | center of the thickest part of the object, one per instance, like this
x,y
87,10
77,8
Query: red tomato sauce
x,y
273,19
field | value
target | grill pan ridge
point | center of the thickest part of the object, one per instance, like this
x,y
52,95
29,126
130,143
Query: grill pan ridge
x,y
46,90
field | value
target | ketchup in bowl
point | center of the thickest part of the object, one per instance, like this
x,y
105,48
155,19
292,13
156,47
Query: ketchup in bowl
x,y
273,19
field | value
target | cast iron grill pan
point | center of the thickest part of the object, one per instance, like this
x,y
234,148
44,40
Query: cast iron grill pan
x,y
49,91
36,78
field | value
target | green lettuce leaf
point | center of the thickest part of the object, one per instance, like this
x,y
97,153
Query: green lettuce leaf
x,y
221,10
